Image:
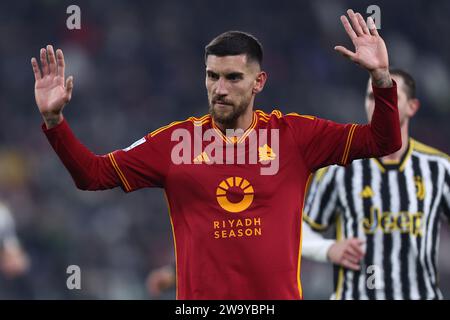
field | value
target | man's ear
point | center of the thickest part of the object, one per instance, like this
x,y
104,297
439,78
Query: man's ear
x,y
260,81
413,107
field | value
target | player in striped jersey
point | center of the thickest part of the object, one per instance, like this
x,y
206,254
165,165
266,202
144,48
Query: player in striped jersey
x,y
391,206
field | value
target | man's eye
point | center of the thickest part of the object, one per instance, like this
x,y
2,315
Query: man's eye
x,y
234,77
213,76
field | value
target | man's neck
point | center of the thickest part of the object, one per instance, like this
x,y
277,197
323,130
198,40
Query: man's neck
x,y
396,156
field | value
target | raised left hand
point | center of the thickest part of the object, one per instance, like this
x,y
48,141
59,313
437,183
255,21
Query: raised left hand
x,y
370,49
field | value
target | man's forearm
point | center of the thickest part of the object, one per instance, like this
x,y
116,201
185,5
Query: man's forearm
x,y
382,136
89,171
314,245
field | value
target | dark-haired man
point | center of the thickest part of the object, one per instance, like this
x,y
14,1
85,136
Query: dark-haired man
x,y
235,178
387,214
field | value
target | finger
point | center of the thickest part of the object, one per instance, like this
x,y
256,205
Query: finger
x,y
351,260
44,63
353,252
350,265
355,24
372,27
61,63
36,70
362,23
345,52
357,249
69,88
348,28
51,59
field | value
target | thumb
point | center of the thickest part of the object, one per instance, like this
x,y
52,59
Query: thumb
x,y
69,88
345,52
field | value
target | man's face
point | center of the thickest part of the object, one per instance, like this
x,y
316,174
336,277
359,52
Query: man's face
x,y
231,83
403,101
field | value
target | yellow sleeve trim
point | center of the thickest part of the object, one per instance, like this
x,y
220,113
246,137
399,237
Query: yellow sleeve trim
x,y
314,224
348,144
321,172
119,172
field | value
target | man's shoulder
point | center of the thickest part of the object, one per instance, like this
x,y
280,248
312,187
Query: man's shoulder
x,y
187,124
420,148
277,114
277,118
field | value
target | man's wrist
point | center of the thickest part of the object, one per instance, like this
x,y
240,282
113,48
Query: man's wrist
x,y
327,248
381,78
53,120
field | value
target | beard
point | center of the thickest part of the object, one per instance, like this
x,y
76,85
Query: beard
x,y
228,114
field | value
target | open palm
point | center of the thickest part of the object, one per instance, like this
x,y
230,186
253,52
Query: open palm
x,y
51,90
370,49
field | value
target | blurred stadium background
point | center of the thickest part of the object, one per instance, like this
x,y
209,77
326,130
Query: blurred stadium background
x,y
138,65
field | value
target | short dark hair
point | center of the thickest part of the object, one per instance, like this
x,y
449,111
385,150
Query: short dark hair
x,y
233,43
408,80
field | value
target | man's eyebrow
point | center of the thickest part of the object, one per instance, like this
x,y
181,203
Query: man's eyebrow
x,y
235,73
226,72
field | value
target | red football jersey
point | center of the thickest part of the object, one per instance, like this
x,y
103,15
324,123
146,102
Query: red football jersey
x,y
235,203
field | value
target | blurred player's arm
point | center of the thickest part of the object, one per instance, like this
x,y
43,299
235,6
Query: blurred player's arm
x,y
314,245
13,259
347,252
161,279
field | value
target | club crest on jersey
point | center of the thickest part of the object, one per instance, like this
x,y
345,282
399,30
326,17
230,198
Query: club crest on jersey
x,y
265,153
420,187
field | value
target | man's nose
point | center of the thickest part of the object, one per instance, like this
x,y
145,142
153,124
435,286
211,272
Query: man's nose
x,y
221,88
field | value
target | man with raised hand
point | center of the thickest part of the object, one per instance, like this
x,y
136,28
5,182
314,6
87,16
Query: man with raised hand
x,y
237,231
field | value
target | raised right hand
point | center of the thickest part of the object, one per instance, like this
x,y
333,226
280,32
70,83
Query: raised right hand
x,y
51,90
347,253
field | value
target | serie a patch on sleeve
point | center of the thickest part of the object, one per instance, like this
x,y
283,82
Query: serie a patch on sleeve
x,y
135,144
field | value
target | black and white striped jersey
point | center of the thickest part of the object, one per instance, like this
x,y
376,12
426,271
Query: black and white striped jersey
x,y
397,209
